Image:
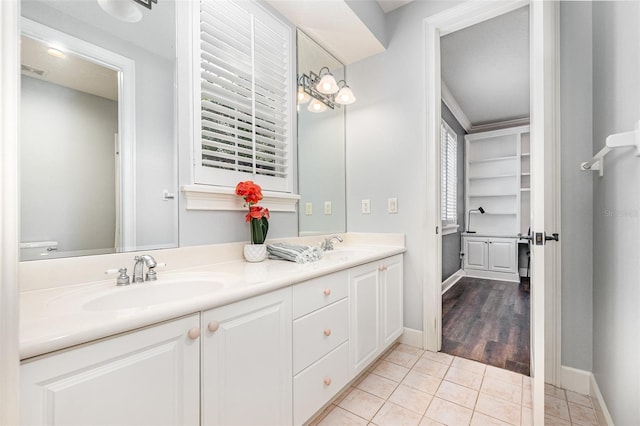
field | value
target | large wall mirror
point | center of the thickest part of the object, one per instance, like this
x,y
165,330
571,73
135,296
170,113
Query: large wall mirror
x,y
98,146
321,149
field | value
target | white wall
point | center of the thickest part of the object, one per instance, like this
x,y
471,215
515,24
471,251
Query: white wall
x,y
616,210
385,138
67,166
577,188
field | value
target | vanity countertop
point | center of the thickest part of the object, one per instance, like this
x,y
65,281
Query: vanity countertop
x,y
63,316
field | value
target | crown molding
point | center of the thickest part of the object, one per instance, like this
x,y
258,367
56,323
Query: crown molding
x,y
499,125
454,107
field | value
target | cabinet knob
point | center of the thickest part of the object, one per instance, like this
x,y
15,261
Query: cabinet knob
x,y
327,381
380,268
213,326
194,333
327,332
327,291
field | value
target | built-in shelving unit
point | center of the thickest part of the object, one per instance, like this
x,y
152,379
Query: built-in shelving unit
x,y
498,180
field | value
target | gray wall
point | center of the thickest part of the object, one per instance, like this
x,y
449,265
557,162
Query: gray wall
x,y
451,243
577,189
385,143
67,184
616,210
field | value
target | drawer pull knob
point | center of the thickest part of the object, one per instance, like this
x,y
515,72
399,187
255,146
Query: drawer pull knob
x,y
194,333
213,326
327,381
327,291
327,332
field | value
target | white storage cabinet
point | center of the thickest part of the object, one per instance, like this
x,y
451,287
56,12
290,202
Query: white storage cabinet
x,y
376,317
491,257
146,377
246,362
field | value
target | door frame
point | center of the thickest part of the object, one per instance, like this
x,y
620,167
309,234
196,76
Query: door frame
x,y
545,109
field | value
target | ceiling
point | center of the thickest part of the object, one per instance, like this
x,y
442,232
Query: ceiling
x,y
389,5
486,69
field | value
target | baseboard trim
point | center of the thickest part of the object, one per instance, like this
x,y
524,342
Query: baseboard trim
x,y
513,277
412,337
604,417
575,380
584,382
454,278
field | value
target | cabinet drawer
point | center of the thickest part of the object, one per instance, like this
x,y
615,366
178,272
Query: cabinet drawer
x,y
318,333
316,293
319,383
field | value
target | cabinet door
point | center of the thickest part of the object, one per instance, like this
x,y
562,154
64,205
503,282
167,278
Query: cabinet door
x,y
147,377
364,300
392,321
246,366
475,253
502,255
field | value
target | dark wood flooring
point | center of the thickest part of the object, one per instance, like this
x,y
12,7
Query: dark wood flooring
x,y
487,321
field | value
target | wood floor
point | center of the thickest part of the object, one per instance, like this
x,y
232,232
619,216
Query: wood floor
x,y
487,321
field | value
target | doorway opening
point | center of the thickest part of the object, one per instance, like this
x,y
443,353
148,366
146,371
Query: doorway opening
x,y
485,187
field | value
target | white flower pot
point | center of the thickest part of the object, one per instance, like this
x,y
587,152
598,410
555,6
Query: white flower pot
x,y
255,252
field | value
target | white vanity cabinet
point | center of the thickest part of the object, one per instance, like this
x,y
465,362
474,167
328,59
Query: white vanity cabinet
x,y
149,376
376,316
246,362
320,342
491,257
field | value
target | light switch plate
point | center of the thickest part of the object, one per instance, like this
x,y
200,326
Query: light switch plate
x,y
366,206
392,205
308,208
327,207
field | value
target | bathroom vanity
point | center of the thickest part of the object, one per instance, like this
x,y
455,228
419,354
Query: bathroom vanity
x,y
270,343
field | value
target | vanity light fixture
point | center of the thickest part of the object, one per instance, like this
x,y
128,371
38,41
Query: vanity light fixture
x,y
316,106
327,84
56,53
308,90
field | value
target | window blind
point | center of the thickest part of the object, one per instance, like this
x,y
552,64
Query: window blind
x,y
449,179
245,96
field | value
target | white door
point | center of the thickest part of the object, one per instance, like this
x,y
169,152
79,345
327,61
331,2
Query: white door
x,y
544,200
392,300
246,362
476,256
502,255
147,377
364,299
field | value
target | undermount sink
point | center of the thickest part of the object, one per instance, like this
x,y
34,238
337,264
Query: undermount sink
x,y
161,292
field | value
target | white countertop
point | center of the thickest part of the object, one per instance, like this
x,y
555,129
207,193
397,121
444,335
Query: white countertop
x,y
58,317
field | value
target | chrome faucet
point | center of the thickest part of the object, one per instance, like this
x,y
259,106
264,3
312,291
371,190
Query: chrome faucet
x,y
138,268
327,244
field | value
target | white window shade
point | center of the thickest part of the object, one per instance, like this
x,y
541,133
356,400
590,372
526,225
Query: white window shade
x,y
449,179
246,97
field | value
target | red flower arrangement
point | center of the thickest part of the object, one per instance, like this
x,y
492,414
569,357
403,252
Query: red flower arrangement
x,y
258,216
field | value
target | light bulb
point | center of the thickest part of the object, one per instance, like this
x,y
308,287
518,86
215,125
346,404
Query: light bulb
x,y
316,106
327,85
303,97
345,96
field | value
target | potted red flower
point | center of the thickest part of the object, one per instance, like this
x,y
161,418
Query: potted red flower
x,y
258,217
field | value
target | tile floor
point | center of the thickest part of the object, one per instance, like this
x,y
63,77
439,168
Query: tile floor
x,y
409,386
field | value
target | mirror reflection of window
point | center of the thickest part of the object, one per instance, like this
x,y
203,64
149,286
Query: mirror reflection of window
x,y
69,127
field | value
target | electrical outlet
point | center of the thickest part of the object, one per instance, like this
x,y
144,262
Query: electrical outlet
x,y
366,206
308,208
392,205
327,207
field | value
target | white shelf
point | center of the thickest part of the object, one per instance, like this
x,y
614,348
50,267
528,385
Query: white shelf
x,y
488,160
501,213
492,195
525,189
526,174
492,177
525,154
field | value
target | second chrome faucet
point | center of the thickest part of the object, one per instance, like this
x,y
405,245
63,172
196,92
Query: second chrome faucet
x,y
138,268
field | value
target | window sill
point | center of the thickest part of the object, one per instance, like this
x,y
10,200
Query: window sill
x,y
203,197
449,229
